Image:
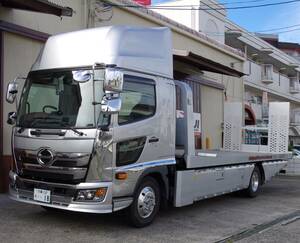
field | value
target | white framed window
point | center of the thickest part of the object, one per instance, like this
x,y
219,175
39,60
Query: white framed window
x,y
267,71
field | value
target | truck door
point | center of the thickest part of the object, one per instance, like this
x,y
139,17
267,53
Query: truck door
x,y
144,129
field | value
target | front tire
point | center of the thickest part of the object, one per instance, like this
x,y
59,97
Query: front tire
x,y
146,203
255,183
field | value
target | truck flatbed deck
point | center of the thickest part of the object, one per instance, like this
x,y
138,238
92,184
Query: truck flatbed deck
x,y
213,158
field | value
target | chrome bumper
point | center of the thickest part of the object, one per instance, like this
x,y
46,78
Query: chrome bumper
x,y
66,202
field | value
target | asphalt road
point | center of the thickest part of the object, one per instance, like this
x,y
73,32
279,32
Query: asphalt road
x,y
274,216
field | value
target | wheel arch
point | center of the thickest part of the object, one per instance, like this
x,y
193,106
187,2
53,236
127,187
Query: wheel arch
x,y
160,174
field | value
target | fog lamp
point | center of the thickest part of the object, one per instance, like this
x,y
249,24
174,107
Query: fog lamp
x,y
94,195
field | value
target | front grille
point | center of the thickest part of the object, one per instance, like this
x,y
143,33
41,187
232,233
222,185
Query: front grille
x,y
29,186
69,168
50,177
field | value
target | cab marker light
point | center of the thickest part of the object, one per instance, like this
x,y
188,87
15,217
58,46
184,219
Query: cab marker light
x,y
121,175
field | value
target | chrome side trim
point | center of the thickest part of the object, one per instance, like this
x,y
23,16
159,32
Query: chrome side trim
x,y
148,164
207,155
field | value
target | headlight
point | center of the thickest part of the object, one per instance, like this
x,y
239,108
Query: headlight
x,y
94,195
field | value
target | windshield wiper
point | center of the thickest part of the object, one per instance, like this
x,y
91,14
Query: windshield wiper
x,y
67,126
55,120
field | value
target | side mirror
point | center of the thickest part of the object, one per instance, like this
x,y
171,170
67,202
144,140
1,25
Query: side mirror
x,y
11,92
113,80
111,105
11,118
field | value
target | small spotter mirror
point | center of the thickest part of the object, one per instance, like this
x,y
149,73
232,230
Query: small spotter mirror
x,y
113,80
81,75
11,93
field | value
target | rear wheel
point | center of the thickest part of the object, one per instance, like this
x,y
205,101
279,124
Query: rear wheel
x,y
255,183
146,202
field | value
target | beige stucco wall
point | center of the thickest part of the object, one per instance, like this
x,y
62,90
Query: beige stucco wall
x,y
19,54
212,108
234,87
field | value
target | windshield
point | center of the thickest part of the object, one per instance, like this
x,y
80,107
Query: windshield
x,y
56,100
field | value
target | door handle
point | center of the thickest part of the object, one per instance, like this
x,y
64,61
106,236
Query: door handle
x,y
153,140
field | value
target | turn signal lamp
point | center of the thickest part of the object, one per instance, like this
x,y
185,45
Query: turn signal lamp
x,y
101,192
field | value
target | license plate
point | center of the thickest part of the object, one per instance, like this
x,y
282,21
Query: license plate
x,y
41,195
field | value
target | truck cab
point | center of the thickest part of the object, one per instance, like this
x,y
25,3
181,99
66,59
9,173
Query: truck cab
x,y
93,120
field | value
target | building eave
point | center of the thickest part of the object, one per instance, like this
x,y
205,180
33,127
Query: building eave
x,y
40,6
205,64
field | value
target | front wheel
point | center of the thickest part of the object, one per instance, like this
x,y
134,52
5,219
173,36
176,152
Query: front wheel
x,y
255,183
146,202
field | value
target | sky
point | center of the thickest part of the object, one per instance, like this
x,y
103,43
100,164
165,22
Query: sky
x,y
265,18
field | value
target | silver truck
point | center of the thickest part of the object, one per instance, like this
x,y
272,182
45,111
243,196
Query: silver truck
x,y
96,130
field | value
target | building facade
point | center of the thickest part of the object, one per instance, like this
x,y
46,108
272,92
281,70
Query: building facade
x,y
271,75
212,68
290,48
271,69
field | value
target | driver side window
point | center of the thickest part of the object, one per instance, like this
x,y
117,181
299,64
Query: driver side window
x,y
138,100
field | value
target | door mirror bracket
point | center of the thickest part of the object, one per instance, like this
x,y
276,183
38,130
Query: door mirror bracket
x,y
11,118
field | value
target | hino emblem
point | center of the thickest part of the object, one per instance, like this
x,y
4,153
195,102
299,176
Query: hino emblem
x,y
45,157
